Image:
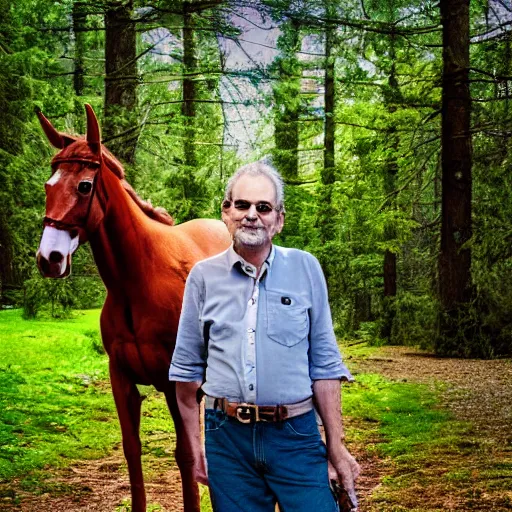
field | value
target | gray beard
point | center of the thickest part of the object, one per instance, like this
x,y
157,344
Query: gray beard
x,y
249,238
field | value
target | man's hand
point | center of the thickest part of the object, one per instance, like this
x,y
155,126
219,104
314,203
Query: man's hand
x,y
344,469
200,472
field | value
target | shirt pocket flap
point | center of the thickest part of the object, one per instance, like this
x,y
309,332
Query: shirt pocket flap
x,y
287,318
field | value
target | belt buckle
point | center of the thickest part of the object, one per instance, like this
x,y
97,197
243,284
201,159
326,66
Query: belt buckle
x,y
251,410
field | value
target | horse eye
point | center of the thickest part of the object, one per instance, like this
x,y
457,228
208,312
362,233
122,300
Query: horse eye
x,y
84,187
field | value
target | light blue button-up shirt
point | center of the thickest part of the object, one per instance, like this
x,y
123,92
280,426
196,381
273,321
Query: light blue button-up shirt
x,y
293,340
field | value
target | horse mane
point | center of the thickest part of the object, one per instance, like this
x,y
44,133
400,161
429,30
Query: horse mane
x,y
156,213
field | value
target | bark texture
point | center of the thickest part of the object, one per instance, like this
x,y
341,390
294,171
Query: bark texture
x,y
392,97
120,126
456,160
286,93
188,109
79,19
328,175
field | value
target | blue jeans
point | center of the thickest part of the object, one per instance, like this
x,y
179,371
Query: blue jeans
x,y
251,467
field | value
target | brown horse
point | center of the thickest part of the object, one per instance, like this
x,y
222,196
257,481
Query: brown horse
x,y
144,261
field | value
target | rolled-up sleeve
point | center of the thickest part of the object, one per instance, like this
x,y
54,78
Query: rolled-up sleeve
x,y
325,360
189,359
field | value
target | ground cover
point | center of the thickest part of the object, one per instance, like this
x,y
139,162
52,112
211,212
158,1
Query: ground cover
x,y
431,434
464,462
56,405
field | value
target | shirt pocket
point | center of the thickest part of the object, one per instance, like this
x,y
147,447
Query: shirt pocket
x,y
287,319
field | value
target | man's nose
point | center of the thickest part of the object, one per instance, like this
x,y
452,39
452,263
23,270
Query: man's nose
x,y
252,213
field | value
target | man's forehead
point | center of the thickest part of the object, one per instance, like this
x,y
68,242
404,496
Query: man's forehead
x,y
250,187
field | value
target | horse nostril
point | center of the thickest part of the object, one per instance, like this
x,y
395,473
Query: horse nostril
x,y
56,257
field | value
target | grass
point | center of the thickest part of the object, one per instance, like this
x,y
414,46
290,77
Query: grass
x,y
404,414
56,408
428,459
55,400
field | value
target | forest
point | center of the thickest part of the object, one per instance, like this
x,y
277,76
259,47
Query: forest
x,y
390,122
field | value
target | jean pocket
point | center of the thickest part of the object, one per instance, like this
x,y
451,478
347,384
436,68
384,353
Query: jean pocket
x,y
287,319
303,426
214,419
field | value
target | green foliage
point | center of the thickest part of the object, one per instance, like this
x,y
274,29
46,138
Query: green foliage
x,y
369,333
415,320
382,197
59,297
464,332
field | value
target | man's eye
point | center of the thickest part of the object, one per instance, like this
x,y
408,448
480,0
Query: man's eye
x,y
263,208
84,187
242,205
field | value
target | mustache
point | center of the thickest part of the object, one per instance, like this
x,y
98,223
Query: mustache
x,y
251,225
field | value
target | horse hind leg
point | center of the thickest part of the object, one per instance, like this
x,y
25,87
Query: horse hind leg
x,y
183,455
128,404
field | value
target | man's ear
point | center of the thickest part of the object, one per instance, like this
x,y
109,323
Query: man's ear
x,y
225,206
280,222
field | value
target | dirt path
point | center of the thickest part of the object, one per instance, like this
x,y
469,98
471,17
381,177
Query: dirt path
x,y
474,473
102,486
476,391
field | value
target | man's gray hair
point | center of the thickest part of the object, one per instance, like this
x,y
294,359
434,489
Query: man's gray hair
x,y
259,168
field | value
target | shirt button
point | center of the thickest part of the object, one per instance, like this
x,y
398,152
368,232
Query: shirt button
x,y
251,387
250,330
248,269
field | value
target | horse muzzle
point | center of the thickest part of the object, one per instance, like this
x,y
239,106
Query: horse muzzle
x,y
54,253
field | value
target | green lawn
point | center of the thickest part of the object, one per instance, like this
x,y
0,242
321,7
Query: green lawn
x,y
56,407
55,400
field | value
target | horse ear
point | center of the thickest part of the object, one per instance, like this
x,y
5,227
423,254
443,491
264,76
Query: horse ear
x,y
55,138
93,128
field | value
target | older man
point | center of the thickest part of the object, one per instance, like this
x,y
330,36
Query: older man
x,y
256,336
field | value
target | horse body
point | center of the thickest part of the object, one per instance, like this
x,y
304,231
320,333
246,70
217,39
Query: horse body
x,y
144,261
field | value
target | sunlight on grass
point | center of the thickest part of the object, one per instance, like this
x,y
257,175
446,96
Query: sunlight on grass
x,y
405,412
56,404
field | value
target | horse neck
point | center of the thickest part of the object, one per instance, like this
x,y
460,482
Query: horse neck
x,y
124,241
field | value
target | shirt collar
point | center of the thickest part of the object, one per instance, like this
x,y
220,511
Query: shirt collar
x,y
248,268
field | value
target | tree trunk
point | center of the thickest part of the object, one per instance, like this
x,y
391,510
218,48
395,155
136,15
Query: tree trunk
x,y
79,19
392,96
6,255
121,81
188,109
287,109
456,229
326,212
328,176
286,91
506,92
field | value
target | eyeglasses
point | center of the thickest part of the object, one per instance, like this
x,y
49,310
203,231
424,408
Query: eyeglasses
x,y
243,206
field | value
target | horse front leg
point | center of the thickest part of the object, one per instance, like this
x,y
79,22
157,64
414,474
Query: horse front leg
x,y
183,455
127,399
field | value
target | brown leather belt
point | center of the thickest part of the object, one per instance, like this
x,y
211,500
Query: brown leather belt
x,y
251,413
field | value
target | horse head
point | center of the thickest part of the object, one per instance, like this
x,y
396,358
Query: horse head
x,y
74,205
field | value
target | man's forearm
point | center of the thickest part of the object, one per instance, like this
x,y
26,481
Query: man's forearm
x,y
327,395
186,394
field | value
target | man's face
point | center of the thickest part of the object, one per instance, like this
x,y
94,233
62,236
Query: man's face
x,y
248,226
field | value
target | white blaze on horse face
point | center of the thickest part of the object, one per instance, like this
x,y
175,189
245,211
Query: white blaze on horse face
x,y
55,178
57,241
